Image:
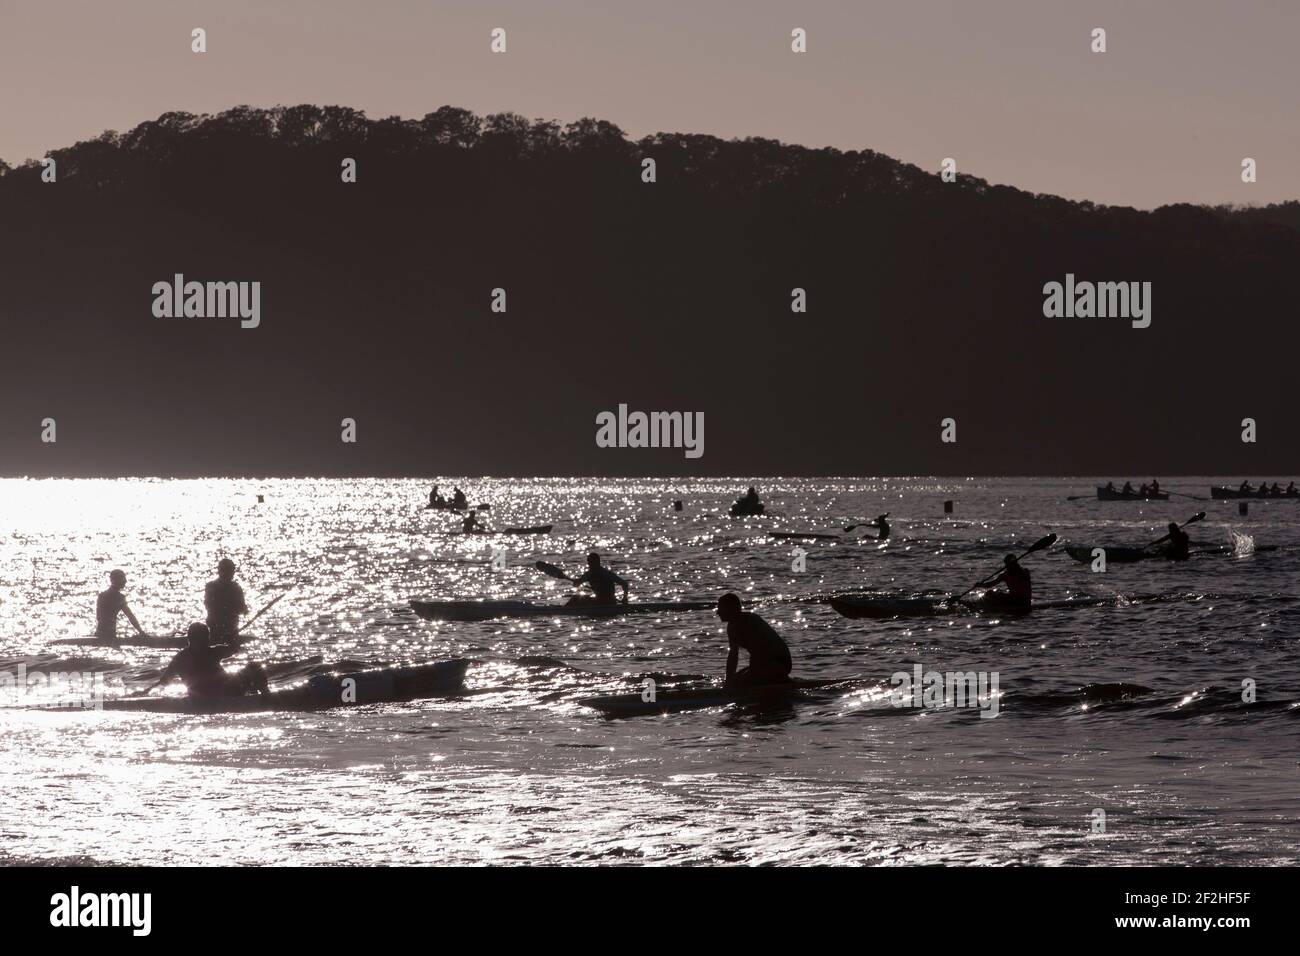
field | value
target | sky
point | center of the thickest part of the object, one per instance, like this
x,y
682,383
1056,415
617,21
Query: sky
x,y
1008,88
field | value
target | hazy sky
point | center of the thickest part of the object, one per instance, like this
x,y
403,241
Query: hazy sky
x,y
1007,87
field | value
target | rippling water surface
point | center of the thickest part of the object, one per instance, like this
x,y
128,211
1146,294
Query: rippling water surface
x,y
515,771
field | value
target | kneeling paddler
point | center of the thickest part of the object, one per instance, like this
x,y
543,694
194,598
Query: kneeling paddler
x,y
199,668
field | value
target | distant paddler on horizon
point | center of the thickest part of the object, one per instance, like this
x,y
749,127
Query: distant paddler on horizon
x,y
747,504
110,603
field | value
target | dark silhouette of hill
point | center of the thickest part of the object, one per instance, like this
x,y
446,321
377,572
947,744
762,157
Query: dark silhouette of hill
x,y
925,301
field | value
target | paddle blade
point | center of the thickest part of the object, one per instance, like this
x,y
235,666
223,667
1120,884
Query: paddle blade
x,y
547,568
1199,516
1044,542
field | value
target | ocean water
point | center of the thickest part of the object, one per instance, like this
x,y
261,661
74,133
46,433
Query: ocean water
x,y
1134,708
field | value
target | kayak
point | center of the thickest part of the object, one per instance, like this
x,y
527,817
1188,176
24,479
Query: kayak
x,y
1119,555
1106,494
538,529
739,510
136,641
804,535
487,610
448,506
318,693
886,607
670,701
1222,493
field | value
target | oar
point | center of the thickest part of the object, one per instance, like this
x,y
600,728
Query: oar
x,y
1199,516
274,601
865,524
240,637
1118,491
547,568
1044,542
1193,497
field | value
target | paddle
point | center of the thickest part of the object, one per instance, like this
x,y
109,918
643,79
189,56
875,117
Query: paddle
x,y
1132,494
547,568
865,524
1199,516
1044,542
1193,497
274,601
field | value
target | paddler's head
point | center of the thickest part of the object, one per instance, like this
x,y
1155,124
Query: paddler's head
x,y
198,635
729,607
117,578
1173,526
593,560
1011,561
226,569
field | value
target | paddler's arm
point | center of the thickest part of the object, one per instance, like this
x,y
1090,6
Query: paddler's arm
x,y
168,673
733,649
131,617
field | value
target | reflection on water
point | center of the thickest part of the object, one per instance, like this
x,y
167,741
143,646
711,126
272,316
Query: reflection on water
x,y
515,771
